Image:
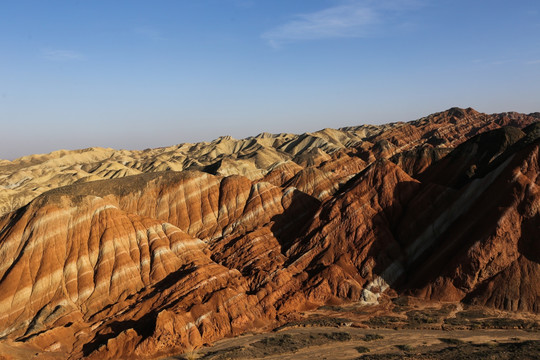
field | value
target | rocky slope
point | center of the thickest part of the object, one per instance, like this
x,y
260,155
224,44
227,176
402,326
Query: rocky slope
x,y
23,179
142,254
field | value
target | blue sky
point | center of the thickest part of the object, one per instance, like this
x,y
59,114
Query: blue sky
x,y
137,74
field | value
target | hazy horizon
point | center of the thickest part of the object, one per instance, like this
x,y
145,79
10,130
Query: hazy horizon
x,y
140,74
205,139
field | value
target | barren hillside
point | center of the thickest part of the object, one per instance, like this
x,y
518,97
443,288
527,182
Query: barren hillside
x,y
135,254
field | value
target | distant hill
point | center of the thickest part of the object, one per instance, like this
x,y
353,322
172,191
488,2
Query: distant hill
x,y
133,254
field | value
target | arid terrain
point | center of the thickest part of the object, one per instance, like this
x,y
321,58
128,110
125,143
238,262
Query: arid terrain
x,y
403,328
413,240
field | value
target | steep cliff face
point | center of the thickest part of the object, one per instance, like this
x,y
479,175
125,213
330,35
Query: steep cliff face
x,y
445,208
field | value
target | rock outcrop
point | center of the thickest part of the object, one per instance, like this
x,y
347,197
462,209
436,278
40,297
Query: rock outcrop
x,y
143,254
25,178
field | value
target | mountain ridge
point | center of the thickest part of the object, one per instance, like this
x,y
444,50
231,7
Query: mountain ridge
x,y
24,178
149,264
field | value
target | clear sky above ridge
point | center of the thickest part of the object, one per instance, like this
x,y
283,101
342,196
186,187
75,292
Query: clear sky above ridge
x,y
136,74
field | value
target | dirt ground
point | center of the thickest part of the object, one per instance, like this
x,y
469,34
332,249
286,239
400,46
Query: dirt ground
x,y
352,343
403,328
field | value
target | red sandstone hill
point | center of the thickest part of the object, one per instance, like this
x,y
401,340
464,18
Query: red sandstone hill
x,y
445,208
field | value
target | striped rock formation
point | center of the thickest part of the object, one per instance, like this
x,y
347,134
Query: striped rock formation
x,y
136,266
23,179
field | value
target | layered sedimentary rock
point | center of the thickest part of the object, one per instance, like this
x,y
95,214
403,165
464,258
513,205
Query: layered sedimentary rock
x,y
155,258
485,244
23,179
104,258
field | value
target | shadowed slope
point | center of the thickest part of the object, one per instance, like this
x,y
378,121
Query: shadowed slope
x,y
23,179
163,261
